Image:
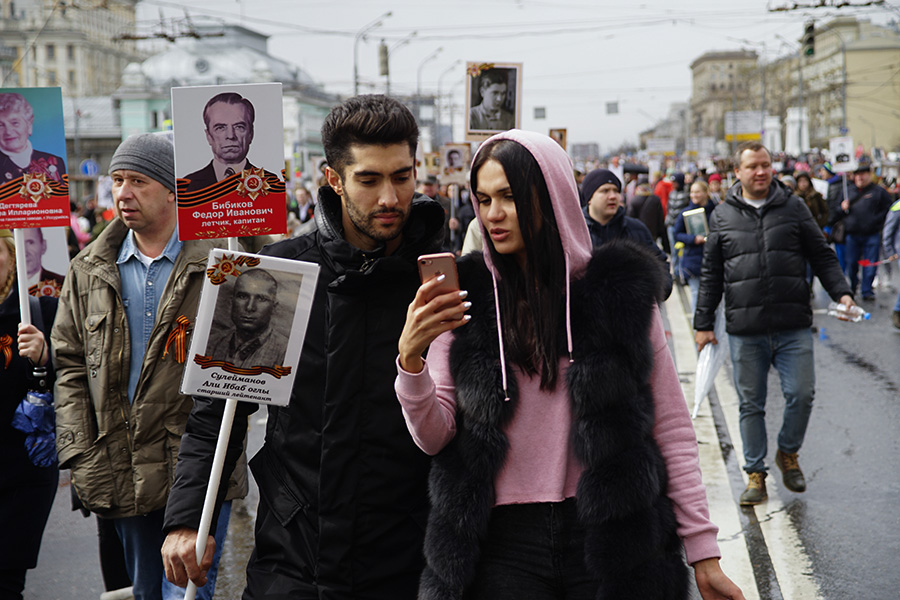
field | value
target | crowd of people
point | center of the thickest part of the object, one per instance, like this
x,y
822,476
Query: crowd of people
x,y
436,442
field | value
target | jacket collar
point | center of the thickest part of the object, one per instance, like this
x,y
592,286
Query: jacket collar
x,y
616,224
103,252
778,194
420,235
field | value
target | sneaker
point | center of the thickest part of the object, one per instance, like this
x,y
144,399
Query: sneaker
x,y
790,471
756,489
895,318
869,298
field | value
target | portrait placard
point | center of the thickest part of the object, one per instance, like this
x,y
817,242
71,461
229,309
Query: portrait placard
x,y
432,163
493,98
46,260
695,222
455,159
559,136
229,160
34,184
250,327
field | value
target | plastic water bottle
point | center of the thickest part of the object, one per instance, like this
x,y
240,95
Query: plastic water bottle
x,y
848,313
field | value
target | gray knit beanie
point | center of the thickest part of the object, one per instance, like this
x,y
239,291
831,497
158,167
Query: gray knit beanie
x,y
147,153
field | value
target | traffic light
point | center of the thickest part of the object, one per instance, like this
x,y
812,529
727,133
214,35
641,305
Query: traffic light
x,y
383,59
809,39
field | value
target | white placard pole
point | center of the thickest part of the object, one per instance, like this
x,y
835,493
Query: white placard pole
x,y
209,503
22,276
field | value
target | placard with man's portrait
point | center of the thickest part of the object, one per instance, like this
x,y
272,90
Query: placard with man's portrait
x,y
493,98
250,327
229,159
559,136
455,159
34,184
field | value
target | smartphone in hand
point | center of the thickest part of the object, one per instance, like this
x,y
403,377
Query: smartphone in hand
x,y
444,263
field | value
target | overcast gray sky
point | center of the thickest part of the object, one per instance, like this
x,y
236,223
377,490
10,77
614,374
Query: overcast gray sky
x,y
577,54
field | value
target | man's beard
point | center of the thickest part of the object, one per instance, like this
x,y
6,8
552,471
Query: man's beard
x,y
367,225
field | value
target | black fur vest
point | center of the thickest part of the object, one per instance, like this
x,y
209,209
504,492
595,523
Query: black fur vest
x,y
631,548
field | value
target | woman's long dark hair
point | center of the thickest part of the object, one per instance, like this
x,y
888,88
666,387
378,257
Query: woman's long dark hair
x,y
532,303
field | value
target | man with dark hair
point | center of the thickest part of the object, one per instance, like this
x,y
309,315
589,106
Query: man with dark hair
x,y
342,485
760,240
253,341
228,118
490,113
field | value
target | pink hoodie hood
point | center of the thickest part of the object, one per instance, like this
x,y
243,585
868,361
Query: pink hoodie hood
x,y
557,170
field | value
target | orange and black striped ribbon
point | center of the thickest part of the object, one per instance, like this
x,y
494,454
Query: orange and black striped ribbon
x,y
6,347
178,336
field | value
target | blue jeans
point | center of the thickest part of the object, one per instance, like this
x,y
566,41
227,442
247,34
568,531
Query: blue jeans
x,y
676,259
170,591
861,247
533,552
791,352
142,538
694,285
839,251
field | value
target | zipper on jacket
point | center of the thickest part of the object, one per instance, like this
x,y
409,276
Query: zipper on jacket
x,y
162,310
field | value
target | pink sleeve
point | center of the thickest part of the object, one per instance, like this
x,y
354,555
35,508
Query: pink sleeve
x,y
428,399
674,433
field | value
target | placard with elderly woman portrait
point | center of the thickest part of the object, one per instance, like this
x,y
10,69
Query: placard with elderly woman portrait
x,y
34,186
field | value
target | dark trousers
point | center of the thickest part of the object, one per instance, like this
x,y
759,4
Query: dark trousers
x,y
533,552
12,583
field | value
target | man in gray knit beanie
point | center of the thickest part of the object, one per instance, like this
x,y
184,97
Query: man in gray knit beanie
x,y
120,337
148,153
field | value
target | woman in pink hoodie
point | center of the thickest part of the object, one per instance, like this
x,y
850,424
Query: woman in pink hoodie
x,y
565,462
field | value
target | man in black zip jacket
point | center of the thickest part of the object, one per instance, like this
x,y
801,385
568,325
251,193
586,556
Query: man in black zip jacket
x,y
864,214
759,242
343,500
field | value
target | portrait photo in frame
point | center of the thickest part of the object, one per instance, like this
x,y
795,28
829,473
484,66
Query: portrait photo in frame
x,y
250,327
493,99
695,222
455,159
229,160
559,136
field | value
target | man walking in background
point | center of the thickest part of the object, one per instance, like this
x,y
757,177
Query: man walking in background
x,y
759,242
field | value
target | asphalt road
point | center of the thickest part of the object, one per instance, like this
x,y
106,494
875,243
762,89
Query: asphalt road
x,y
839,540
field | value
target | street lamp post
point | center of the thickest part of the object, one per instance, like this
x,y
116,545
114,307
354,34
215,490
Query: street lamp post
x,y
402,42
361,34
440,99
430,57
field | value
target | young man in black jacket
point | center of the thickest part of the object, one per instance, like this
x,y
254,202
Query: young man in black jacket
x,y
342,485
759,242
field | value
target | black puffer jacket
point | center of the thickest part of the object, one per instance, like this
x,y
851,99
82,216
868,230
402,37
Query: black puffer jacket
x,y
338,470
759,258
868,209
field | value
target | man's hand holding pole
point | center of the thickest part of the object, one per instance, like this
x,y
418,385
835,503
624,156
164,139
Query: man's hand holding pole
x,y
179,555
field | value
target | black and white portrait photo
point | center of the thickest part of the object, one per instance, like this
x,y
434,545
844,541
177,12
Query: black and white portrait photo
x,y
493,94
250,327
221,131
455,160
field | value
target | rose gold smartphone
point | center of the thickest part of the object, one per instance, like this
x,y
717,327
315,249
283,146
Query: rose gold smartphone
x,y
444,263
